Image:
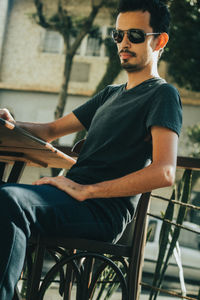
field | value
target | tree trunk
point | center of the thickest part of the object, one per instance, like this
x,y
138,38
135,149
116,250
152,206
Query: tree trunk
x,y
112,71
62,99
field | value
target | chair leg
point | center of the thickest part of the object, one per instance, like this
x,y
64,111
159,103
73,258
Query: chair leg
x,y
134,279
34,282
86,277
68,280
135,265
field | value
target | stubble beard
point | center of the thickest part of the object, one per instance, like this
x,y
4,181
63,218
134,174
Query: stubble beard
x,y
130,68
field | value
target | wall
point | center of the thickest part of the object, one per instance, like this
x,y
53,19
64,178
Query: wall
x,y
37,107
4,7
25,66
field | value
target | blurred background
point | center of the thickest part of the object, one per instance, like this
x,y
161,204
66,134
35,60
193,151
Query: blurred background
x,y
55,55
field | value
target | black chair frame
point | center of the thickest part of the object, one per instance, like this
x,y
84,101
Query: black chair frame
x,y
78,257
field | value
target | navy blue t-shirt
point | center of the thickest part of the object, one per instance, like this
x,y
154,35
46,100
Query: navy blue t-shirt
x,y
118,142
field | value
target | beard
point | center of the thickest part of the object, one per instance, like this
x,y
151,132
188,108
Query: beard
x,y
131,68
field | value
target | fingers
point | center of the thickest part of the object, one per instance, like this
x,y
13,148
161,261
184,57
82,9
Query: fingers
x,y
77,191
58,181
6,115
44,180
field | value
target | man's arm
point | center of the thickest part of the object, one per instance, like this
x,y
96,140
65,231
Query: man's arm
x,y
160,173
48,131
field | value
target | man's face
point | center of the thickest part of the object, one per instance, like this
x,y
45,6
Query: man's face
x,y
135,57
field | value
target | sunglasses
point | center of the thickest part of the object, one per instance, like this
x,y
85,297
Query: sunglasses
x,y
135,36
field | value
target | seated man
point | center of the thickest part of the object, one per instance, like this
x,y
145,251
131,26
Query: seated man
x,y
128,126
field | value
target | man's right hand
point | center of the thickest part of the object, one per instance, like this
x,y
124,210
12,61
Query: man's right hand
x,y
6,115
47,131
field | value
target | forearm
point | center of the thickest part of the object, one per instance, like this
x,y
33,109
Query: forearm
x,y
53,130
147,179
47,131
41,130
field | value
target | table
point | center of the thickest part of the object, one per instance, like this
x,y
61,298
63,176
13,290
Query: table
x,y
20,148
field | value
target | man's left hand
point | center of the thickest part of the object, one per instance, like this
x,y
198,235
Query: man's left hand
x,y
76,190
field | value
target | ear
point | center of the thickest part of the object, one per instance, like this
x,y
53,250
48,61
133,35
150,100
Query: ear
x,y
162,41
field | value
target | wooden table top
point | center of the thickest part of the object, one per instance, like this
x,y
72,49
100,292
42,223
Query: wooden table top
x,y
17,144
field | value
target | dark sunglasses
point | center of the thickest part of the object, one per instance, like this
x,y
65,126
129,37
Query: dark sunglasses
x,y
135,36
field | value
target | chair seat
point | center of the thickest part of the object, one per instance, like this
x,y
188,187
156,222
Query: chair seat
x,y
84,245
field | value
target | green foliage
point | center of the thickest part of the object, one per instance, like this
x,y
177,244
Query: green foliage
x,y
193,133
109,282
182,52
183,195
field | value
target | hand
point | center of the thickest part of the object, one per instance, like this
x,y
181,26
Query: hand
x,y
76,190
6,115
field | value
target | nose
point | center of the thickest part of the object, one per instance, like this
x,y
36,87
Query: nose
x,y
125,42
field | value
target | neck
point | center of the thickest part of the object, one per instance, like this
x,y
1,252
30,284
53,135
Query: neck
x,y
137,77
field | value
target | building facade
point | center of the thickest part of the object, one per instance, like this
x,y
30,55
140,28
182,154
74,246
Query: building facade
x,y
32,64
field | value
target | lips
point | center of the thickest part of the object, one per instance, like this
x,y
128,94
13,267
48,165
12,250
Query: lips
x,y
125,55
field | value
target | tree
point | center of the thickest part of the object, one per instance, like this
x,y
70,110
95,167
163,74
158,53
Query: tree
x,y
58,16
113,68
182,53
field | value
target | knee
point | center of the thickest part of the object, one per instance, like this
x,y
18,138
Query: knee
x,y
7,199
10,209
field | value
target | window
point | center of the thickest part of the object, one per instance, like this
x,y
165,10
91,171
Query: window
x,y
92,44
94,41
53,42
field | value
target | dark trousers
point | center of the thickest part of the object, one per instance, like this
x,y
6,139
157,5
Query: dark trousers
x,y
31,210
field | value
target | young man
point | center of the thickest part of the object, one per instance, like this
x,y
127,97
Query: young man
x,y
128,125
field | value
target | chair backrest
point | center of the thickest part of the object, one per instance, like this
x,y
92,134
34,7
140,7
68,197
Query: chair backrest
x,y
77,147
135,237
138,244
137,223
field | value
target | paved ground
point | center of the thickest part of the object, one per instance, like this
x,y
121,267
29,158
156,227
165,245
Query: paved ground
x,y
53,295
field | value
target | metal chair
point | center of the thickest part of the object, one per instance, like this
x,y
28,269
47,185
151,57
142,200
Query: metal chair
x,y
80,258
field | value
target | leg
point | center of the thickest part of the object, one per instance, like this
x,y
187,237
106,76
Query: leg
x,y
45,210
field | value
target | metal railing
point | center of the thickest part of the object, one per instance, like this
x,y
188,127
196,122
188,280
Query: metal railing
x,y
186,163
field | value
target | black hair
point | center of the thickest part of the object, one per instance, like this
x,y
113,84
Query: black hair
x,y
159,13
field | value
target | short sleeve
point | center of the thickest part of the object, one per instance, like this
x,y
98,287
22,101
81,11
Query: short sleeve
x,y
165,109
86,112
